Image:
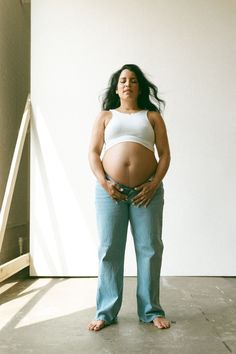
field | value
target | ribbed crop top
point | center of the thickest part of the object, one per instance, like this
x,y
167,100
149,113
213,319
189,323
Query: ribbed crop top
x,y
134,127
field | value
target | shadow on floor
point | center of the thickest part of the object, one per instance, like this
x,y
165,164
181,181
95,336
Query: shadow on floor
x,y
50,315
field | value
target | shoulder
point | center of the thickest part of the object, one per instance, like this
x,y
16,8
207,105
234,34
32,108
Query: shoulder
x,y
103,117
155,118
154,115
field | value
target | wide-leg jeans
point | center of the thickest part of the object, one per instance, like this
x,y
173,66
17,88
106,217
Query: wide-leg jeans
x,y
146,228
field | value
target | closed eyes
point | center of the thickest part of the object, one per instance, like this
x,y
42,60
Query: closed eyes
x,y
134,81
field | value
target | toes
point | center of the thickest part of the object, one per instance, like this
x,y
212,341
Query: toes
x,y
91,326
161,323
96,325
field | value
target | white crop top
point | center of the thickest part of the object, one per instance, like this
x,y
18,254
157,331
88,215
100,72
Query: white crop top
x,y
134,127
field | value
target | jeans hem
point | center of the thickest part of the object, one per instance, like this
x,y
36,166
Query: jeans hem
x,y
149,320
107,323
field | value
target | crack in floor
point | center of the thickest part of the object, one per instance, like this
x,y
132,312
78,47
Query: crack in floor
x,y
216,332
226,345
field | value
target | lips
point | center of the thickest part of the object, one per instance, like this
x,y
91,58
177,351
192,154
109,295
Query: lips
x,y
127,91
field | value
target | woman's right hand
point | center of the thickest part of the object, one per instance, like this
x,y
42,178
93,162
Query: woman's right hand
x,y
114,191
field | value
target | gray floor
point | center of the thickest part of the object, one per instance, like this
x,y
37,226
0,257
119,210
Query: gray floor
x,y
50,315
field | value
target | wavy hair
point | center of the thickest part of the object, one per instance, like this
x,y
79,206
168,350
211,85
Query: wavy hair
x,y
147,99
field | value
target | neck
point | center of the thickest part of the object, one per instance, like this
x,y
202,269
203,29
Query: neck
x,y
128,106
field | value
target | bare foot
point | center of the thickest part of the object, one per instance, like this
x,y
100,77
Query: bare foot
x,y
96,325
161,322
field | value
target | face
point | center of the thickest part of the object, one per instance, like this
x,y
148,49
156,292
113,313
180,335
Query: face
x,y
128,86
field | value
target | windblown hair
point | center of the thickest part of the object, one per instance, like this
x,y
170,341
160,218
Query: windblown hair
x,y
147,99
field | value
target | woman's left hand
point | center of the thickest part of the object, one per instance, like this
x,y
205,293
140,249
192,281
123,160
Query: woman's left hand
x,y
147,191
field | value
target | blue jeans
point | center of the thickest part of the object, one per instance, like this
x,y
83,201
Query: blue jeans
x,y
146,228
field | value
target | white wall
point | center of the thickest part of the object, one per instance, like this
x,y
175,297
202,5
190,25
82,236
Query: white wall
x,y
188,49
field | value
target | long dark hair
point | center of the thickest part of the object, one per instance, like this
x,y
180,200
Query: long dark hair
x,y
147,98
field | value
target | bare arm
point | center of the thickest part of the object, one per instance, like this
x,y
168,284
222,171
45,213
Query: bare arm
x,y
95,149
162,145
147,190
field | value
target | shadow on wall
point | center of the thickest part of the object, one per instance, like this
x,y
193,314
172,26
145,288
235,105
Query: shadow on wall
x,y
14,88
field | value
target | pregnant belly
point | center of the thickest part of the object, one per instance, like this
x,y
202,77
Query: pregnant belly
x,y
129,163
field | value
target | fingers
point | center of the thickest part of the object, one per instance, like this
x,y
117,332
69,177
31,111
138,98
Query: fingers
x,y
116,193
144,197
147,203
140,198
144,202
139,187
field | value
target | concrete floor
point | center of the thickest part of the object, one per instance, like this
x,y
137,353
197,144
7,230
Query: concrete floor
x,y
50,315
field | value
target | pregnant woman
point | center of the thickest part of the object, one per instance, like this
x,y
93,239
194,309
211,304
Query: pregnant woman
x,y
129,189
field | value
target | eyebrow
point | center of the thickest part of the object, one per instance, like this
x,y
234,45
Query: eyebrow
x,y
124,77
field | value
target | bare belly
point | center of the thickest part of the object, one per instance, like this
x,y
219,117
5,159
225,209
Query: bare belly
x,y
129,163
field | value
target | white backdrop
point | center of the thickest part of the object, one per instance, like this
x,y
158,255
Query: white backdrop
x,y
188,49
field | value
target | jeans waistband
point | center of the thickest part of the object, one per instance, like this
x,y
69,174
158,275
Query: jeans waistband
x,y
123,185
